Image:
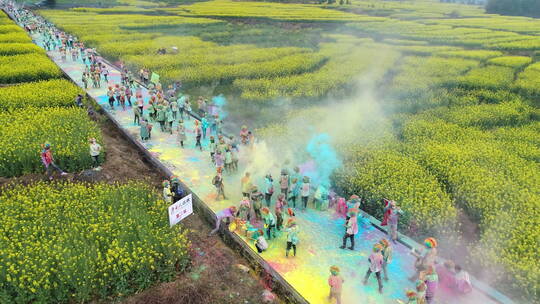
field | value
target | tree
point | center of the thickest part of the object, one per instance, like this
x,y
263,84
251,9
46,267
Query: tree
x,y
529,8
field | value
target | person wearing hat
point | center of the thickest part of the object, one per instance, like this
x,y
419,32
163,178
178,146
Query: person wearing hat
x,y
227,213
292,237
245,208
335,281
48,160
376,261
95,150
392,212
217,181
269,222
167,194
387,256
351,229
425,259
256,196
353,206
244,135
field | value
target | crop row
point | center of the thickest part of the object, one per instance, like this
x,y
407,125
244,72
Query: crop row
x,y
47,93
66,243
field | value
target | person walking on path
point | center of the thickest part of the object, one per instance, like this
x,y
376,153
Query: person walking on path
x,y
351,229
294,192
292,238
48,161
304,192
136,115
227,214
218,183
284,182
280,205
269,222
170,119
198,135
181,133
375,265
391,219
386,252
95,151
160,117
144,132
335,281
268,189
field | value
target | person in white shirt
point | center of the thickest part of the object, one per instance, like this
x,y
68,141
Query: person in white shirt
x,y
95,150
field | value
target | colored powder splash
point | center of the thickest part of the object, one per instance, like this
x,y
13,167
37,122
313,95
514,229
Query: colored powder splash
x,y
219,103
324,157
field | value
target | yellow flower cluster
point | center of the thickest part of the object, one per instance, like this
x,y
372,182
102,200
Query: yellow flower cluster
x,y
27,67
48,93
67,243
25,130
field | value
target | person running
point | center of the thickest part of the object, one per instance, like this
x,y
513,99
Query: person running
x,y
375,265
284,182
48,161
95,151
227,214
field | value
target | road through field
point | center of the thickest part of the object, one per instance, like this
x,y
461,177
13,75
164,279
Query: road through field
x,y
320,232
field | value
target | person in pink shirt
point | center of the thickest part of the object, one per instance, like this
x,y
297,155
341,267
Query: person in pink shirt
x,y
227,213
335,281
376,262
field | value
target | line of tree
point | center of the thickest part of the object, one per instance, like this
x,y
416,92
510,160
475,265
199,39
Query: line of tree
x,y
530,8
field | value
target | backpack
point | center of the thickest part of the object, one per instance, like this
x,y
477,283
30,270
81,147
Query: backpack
x,y
215,180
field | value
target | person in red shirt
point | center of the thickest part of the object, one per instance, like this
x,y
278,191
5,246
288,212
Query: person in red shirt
x,y
48,161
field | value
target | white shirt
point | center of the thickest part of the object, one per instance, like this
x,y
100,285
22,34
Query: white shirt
x,y
95,148
261,241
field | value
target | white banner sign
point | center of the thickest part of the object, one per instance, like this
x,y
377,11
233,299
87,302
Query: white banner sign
x,y
180,210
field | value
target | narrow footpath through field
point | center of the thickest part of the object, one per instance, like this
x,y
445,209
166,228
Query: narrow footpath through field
x,y
320,232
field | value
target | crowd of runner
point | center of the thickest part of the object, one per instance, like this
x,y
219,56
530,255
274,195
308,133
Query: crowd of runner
x,y
262,214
